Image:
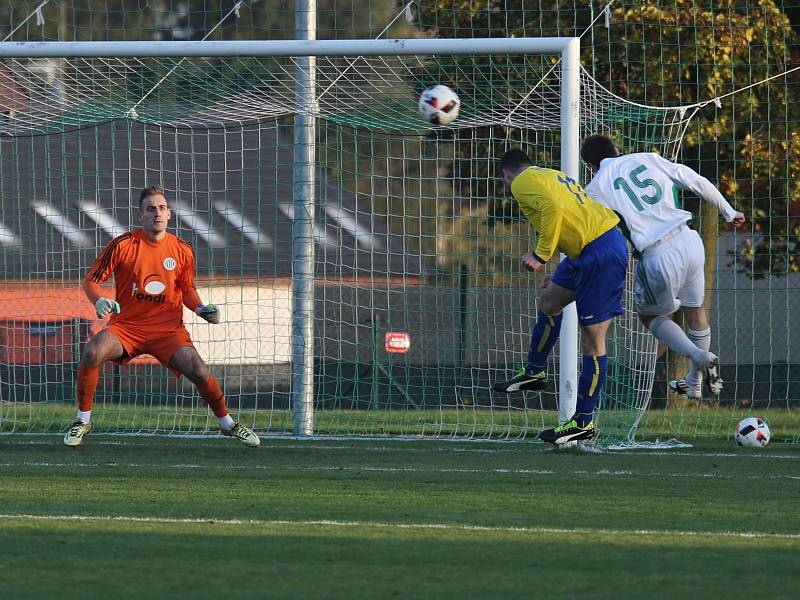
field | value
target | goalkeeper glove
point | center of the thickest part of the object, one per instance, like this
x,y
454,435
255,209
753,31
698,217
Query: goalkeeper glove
x,y
209,312
105,306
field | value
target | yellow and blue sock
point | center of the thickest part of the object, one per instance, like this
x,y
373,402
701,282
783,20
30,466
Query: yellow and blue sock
x,y
543,338
593,375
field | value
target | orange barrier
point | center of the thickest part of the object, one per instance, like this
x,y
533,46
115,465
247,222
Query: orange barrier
x,y
37,324
39,303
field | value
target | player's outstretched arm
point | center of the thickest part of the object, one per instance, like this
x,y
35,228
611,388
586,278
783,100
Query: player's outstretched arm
x,y
692,180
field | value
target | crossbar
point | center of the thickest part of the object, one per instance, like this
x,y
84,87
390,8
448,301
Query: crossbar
x,y
547,45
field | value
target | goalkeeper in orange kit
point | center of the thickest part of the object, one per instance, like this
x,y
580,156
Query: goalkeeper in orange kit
x,y
154,278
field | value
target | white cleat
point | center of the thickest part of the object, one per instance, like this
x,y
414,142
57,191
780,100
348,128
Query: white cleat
x,y
76,432
243,434
711,371
690,390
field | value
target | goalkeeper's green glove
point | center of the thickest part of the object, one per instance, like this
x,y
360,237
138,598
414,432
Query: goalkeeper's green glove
x,y
105,306
209,312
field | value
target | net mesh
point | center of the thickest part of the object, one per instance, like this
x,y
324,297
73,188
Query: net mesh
x,y
413,231
403,246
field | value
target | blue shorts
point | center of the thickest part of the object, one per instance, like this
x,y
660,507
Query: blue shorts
x,y
597,277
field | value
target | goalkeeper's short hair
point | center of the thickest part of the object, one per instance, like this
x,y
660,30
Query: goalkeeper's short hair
x,y
151,190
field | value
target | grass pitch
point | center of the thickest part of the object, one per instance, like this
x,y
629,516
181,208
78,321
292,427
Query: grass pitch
x,y
131,517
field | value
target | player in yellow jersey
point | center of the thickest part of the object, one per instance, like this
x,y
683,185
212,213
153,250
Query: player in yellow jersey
x,y
592,275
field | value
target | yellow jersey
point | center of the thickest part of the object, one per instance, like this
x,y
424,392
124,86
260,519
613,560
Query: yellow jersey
x,y
565,216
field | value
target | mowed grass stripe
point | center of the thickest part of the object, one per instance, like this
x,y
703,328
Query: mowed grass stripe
x,y
48,559
406,469
395,445
576,531
533,489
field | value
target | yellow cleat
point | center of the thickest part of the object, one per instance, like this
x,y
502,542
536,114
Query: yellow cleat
x,y
76,432
243,434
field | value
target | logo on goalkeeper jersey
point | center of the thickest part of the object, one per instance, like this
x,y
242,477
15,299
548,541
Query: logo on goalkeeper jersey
x,y
153,291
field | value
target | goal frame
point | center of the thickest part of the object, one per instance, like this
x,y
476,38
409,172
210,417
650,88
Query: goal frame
x,y
302,375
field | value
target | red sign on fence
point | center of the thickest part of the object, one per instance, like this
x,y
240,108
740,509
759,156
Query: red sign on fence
x,y
397,341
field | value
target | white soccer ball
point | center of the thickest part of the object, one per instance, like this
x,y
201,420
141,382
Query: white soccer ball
x,y
752,432
439,105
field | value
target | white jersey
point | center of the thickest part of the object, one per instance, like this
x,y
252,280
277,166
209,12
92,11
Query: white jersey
x,y
643,189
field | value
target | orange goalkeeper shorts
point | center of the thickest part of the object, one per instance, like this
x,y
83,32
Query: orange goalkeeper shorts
x,y
161,344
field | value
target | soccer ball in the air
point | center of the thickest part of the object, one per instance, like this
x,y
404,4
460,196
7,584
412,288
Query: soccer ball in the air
x,y
439,105
752,432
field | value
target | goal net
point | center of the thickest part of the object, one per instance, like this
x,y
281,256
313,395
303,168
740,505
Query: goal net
x,y
419,301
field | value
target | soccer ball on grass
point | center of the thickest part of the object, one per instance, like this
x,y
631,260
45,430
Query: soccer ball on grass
x,y
439,105
752,432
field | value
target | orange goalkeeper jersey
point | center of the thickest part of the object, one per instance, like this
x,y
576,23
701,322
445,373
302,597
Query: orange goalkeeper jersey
x,y
150,279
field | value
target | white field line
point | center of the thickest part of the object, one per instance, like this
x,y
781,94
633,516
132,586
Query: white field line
x,y
272,468
423,526
757,453
387,446
500,471
290,442
515,444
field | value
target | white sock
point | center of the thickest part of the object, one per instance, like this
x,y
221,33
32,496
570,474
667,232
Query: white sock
x,y
226,422
701,339
669,332
84,416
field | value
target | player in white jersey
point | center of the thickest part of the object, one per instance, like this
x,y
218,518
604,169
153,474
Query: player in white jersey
x,y
642,188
